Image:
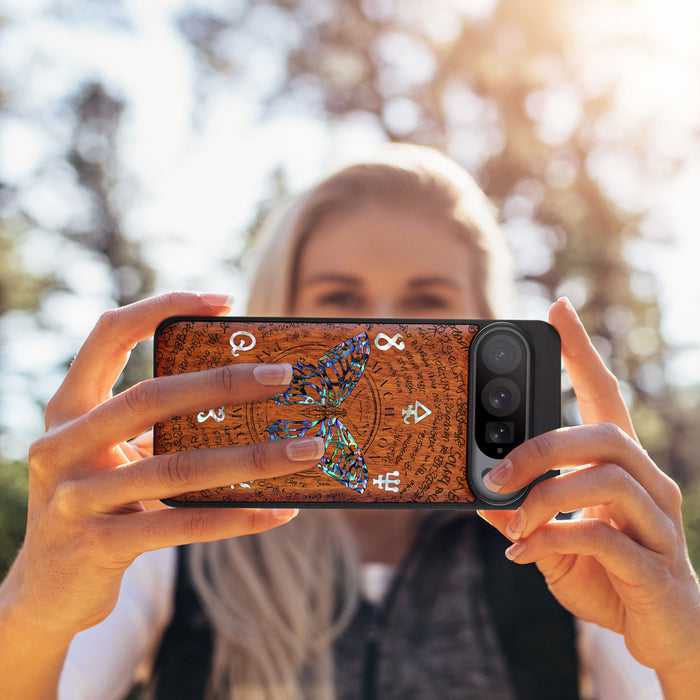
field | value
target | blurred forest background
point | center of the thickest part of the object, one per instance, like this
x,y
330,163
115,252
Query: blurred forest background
x,y
580,119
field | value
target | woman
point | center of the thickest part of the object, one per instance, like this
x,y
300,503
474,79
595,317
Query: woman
x,y
411,236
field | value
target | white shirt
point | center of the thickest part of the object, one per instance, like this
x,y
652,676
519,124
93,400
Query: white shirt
x,y
104,661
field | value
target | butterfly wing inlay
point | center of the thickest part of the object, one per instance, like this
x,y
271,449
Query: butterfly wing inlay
x,y
327,385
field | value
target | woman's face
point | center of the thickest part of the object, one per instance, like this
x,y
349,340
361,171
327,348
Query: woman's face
x,y
385,261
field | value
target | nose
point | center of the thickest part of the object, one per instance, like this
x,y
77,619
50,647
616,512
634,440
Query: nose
x,y
383,307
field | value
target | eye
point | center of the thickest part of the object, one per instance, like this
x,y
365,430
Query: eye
x,y
343,299
427,302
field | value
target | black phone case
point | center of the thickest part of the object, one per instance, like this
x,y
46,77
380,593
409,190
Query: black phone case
x,y
394,400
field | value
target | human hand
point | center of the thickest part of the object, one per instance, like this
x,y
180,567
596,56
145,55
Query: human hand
x,y
624,563
88,485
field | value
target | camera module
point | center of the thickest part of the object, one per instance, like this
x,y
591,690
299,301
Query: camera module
x,y
505,358
501,394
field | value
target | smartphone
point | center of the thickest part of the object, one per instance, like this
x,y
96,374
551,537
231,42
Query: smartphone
x,y
413,413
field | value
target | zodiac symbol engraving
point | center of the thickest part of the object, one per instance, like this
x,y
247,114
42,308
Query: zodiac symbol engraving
x,y
218,414
323,387
244,484
387,342
242,345
386,483
417,412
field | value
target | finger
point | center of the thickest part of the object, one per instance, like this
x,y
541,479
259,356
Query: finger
x,y
166,476
497,518
596,388
154,400
605,486
143,444
131,452
102,357
614,550
155,529
579,445
138,448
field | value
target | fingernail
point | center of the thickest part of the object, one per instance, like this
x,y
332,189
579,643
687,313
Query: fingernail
x,y
569,306
285,514
273,375
498,477
515,551
304,449
218,300
517,525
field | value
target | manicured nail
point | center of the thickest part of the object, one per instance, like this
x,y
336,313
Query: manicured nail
x,y
517,525
285,514
273,375
498,477
218,300
305,449
569,306
515,550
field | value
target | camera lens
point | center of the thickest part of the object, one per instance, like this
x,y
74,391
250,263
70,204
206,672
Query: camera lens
x,y
500,396
499,432
502,353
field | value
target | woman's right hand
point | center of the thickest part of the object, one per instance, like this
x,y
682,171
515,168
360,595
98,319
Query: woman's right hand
x,y
87,518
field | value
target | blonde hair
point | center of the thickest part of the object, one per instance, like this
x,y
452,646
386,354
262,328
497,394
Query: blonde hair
x,y
277,600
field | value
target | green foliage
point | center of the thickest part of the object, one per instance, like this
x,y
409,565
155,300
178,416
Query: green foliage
x,y
14,484
691,520
18,289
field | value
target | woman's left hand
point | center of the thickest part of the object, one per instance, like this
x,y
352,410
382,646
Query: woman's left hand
x,y
623,564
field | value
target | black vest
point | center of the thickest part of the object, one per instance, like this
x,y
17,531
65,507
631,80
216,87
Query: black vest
x,y
417,644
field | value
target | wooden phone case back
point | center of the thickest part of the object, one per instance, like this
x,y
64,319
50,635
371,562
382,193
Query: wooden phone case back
x,y
388,398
